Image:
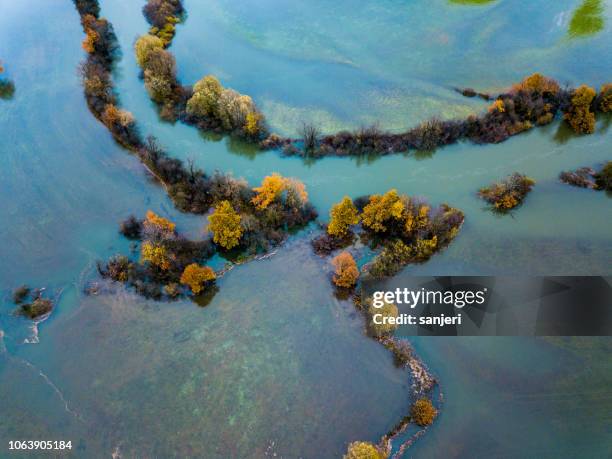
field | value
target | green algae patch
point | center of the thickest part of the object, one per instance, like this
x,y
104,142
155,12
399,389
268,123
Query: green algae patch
x,y
587,19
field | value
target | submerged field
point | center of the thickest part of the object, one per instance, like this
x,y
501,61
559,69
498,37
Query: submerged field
x,y
275,363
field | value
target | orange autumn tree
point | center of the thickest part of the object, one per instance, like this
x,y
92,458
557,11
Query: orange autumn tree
x,y
161,224
342,216
225,225
91,36
271,189
274,187
347,273
196,276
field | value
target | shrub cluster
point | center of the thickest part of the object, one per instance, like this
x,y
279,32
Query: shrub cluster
x,y
166,261
408,230
535,101
208,105
509,193
236,223
159,72
163,15
211,106
31,302
585,177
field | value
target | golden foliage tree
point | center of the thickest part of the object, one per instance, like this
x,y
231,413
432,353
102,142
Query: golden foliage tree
x,y
423,412
579,116
380,209
342,216
113,115
196,276
363,450
144,46
156,254
270,190
537,83
225,225
347,273
205,99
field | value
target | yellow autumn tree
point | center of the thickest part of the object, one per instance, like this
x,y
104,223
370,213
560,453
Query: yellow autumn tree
x,y
225,225
342,216
205,99
417,217
347,273
196,276
363,450
156,254
579,116
381,209
144,46
537,83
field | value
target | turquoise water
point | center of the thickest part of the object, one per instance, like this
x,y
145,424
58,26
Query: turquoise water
x,y
275,363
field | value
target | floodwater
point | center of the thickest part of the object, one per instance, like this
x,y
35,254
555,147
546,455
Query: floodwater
x,y
275,363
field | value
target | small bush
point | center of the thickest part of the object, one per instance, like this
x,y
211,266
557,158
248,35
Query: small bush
x,y
20,294
39,307
583,177
7,89
603,178
131,228
508,194
605,98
